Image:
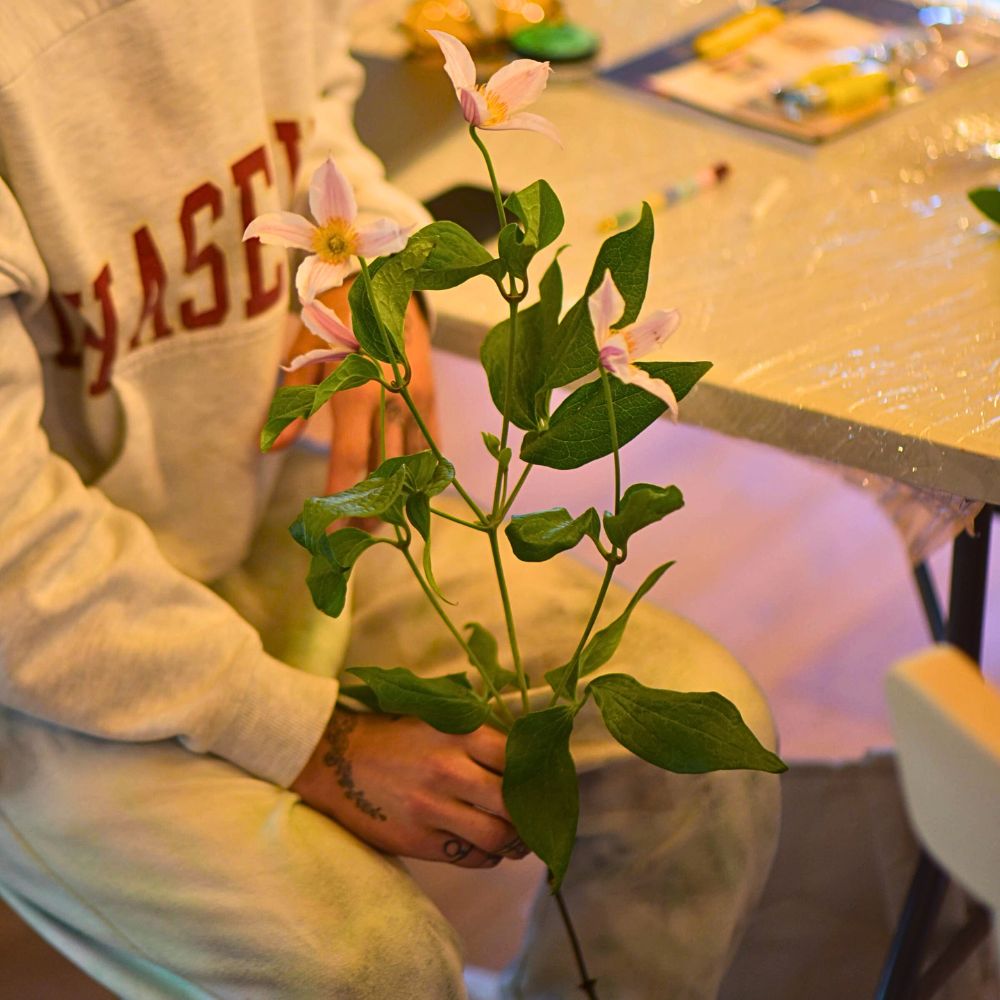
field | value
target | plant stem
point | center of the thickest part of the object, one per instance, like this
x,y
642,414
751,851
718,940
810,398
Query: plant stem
x,y
517,489
598,604
432,444
613,426
587,983
458,520
498,490
508,617
504,712
497,197
381,423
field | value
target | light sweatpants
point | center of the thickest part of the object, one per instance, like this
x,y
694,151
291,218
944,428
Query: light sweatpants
x,y
165,874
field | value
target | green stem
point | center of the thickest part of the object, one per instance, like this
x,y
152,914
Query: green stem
x,y
381,423
613,426
517,489
587,983
497,197
508,617
498,490
438,454
609,572
457,520
504,712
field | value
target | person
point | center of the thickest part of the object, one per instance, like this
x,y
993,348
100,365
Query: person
x,y
186,810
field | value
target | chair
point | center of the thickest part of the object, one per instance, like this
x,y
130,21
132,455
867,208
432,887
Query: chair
x,y
946,721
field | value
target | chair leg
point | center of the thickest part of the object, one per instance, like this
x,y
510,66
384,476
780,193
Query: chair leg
x,y
964,629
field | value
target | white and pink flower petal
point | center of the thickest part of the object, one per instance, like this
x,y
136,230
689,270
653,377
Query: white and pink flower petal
x,y
382,236
606,307
474,107
316,276
651,332
458,62
613,357
519,83
331,195
327,325
321,355
655,386
528,122
282,229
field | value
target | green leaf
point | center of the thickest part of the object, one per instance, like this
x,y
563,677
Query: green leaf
x,y
445,703
540,787
604,644
422,472
686,732
485,653
294,401
514,253
333,558
541,535
362,693
540,213
643,504
579,431
456,256
372,497
535,326
418,512
353,371
289,403
573,352
328,585
987,200
393,282
492,443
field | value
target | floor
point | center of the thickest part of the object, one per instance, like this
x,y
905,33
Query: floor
x,y
800,574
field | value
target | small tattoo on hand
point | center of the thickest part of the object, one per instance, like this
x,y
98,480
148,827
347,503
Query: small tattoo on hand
x,y
338,736
456,849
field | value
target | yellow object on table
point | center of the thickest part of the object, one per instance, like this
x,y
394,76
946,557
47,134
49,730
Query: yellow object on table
x,y
737,32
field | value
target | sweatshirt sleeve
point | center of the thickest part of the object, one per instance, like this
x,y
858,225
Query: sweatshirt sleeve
x,y
98,632
340,79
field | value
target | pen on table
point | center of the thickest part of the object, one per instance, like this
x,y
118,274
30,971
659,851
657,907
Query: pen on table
x,y
700,181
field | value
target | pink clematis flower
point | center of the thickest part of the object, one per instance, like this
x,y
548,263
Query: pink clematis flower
x,y
334,241
496,104
326,324
619,348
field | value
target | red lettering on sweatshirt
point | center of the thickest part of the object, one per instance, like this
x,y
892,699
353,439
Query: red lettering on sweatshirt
x,y
289,134
70,355
105,343
154,286
261,297
208,255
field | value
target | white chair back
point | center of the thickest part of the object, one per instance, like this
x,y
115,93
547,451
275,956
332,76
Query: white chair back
x,y
946,721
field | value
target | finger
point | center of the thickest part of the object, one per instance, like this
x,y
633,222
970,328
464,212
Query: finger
x,y
459,852
515,850
395,429
487,747
481,829
351,440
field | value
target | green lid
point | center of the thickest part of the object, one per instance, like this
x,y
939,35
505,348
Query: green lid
x,y
562,42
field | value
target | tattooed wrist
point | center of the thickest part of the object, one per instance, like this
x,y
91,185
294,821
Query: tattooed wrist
x,y
338,737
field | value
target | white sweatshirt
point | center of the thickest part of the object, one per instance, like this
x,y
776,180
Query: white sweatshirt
x,y
139,344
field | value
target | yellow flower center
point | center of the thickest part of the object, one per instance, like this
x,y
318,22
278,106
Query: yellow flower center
x,y
335,242
496,110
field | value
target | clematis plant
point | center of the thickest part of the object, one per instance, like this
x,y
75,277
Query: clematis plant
x,y
597,345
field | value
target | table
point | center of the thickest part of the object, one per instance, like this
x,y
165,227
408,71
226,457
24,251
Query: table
x,y
848,294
